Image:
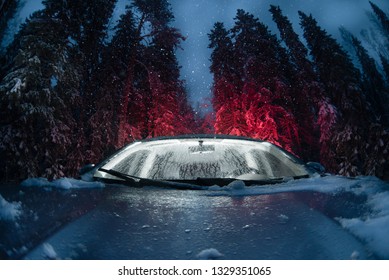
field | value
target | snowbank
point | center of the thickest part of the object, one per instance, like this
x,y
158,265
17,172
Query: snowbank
x,y
328,184
373,229
63,183
9,211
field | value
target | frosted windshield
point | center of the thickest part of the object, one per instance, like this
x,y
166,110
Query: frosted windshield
x,y
190,159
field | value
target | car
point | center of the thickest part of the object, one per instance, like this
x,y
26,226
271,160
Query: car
x,y
198,197
202,160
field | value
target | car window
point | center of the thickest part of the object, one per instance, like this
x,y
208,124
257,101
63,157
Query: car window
x,y
133,164
192,159
271,166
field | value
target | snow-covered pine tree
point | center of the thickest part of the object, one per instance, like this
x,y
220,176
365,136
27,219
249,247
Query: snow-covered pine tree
x,y
343,85
375,89
334,67
108,84
307,92
382,17
7,12
377,150
147,15
383,25
187,121
165,85
87,31
222,57
152,71
385,66
227,83
36,124
251,71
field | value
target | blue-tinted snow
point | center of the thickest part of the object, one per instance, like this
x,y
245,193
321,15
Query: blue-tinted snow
x,y
328,184
209,254
9,211
373,229
49,251
53,81
62,183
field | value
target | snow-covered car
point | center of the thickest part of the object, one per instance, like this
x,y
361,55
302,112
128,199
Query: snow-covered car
x,y
197,197
201,160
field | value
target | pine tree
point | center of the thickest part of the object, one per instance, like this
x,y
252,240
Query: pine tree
x,y
88,28
258,51
383,25
251,87
108,84
7,12
342,82
382,17
157,16
65,85
297,50
222,55
88,22
385,66
375,89
164,82
334,67
308,93
36,125
85,26
227,79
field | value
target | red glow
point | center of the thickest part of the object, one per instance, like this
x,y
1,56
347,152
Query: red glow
x,y
253,114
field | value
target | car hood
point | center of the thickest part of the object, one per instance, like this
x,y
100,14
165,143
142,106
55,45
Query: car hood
x,y
151,223
328,217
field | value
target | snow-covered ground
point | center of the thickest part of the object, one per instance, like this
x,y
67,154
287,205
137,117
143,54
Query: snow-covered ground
x,y
372,227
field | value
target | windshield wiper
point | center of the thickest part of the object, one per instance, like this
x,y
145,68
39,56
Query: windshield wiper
x,y
198,183
276,180
124,176
139,181
221,182
226,181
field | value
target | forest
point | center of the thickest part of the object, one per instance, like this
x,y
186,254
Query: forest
x,y
72,91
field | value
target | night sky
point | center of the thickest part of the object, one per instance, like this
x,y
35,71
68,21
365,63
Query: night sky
x,y
195,19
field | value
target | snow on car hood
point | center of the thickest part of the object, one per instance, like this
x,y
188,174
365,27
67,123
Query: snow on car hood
x,y
372,228
9,211
62,183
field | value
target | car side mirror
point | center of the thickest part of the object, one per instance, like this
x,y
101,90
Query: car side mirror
x,y
316,167
86,168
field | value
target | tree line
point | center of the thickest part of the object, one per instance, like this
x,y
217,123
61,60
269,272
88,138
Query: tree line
x,y
74,86
72,90
309,98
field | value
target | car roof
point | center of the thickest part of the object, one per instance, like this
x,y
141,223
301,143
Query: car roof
x,y
201,136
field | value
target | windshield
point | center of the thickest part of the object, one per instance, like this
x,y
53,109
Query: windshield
x,y
189,159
